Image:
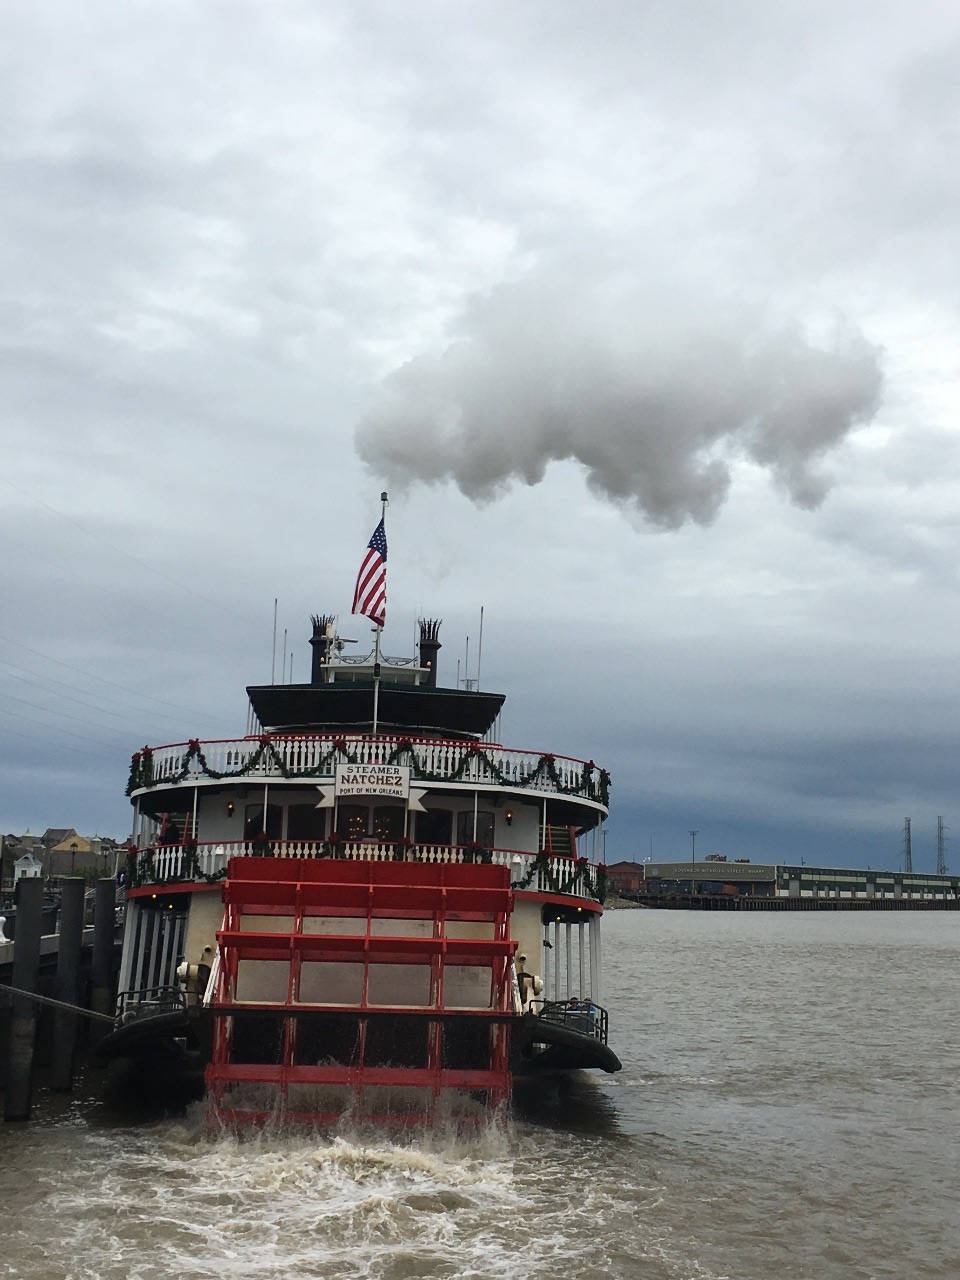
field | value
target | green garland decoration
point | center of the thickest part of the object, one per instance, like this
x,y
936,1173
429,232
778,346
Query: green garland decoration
x,y
600,883
575,877
261,846
593,783
474,851
142,771
141,868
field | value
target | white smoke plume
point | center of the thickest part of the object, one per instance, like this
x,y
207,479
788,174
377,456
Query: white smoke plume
x,y
652,393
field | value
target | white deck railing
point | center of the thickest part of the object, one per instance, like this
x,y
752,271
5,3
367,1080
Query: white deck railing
x,y
543,872
313,758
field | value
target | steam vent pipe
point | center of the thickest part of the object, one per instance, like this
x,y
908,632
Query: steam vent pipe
x,y
429,648
321,642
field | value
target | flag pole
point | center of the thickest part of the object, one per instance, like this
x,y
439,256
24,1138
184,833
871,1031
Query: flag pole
x,y
376,679
376,645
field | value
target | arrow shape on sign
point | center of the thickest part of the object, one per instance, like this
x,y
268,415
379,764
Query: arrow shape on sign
x,y
326,797
413,801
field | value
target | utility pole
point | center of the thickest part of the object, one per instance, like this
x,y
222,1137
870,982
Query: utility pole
x,y
907,851
941,855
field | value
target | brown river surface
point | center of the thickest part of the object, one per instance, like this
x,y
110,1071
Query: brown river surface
x,y
788,1110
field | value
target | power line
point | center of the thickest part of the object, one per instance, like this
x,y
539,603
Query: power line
x,y
58,716
184,623
55,710
103,680
198,595
75,694
61,746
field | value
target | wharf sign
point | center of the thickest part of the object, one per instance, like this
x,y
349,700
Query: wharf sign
x,y
382,781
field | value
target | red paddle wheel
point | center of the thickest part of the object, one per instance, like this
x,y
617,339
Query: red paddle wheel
x,y
379,989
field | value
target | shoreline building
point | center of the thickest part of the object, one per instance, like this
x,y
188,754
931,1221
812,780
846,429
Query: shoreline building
x,y
715,877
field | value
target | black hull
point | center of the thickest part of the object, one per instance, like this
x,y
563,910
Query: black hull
x,y
165,1037
537,1044
542,1045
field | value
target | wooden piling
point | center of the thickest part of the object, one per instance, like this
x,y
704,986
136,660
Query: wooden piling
x,y
65,1022
23,1020
101,973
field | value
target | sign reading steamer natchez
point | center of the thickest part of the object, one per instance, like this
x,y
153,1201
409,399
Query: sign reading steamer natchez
x,y
391,780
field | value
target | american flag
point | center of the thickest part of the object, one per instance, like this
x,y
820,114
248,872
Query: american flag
x,y
370,596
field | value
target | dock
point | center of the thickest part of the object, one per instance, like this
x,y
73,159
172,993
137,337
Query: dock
x,y
716,884
57,989
729,902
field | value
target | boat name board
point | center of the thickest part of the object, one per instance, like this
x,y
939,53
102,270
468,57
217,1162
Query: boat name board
x,y
391,780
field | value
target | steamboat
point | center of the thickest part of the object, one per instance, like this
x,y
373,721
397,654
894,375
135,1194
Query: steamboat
x,y
365,904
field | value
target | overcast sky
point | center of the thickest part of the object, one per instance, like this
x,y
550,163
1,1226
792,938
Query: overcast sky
x,y
644,313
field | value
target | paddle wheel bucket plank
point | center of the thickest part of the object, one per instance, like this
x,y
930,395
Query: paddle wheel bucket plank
x,y
341,989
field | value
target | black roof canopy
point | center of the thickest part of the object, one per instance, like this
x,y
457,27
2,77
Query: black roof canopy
x,y
348,707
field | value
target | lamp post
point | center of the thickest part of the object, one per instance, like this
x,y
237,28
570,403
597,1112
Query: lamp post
x,y
693,846
73,856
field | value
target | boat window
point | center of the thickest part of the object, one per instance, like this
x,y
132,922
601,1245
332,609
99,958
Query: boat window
x,y
352,821
484,828
389,821
254,824
435,827
306,822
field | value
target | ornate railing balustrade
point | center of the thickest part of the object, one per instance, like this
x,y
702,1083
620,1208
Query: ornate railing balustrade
x,y
313,758
580,1015
191,863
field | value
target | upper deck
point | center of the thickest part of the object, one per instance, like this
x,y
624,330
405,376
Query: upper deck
x,y
439,764
374,693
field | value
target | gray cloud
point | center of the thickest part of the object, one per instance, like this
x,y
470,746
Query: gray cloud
x,y
611,234
652,391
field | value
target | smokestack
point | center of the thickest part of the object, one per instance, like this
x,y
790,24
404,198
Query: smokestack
x,y
429,647
322,644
